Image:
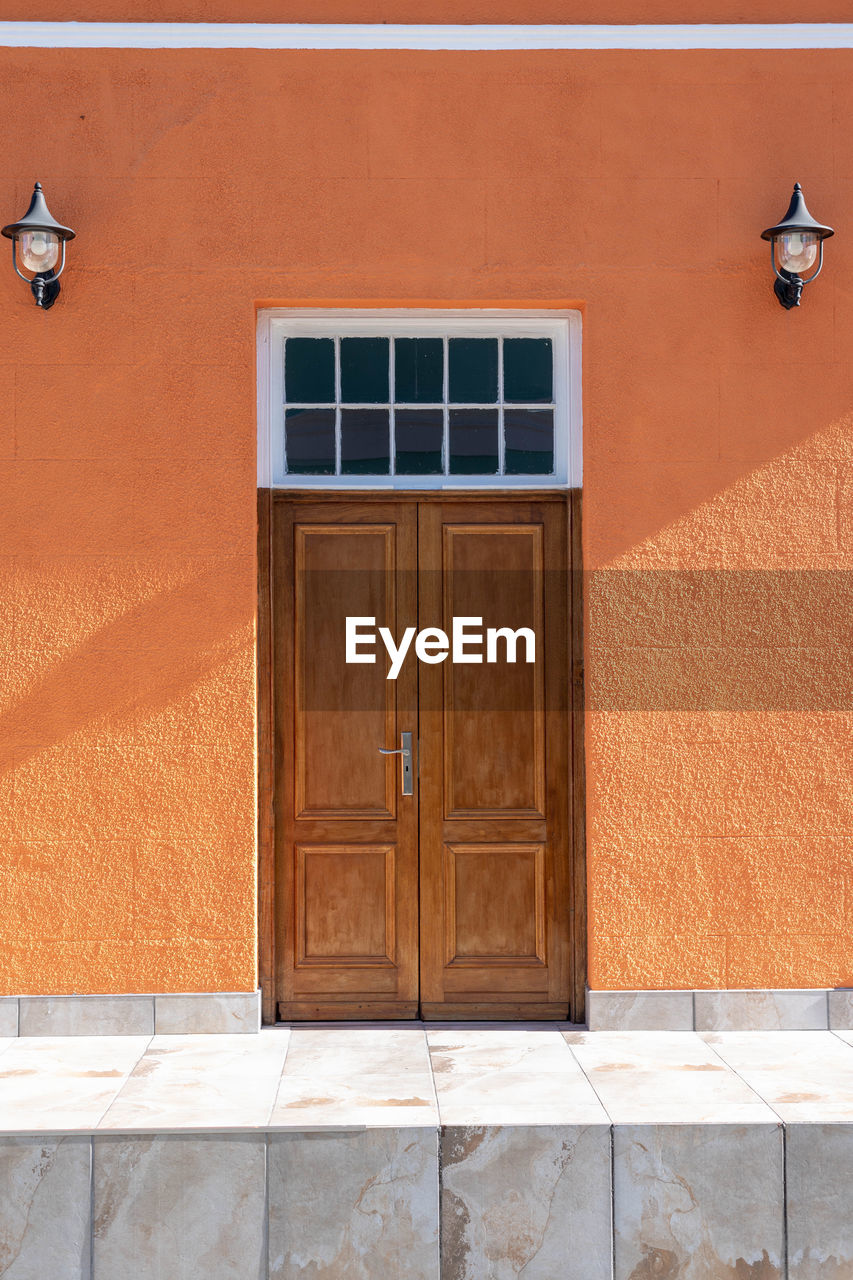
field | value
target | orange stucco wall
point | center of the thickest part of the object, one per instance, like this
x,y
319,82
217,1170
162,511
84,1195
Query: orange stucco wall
x,y
716,437
418,11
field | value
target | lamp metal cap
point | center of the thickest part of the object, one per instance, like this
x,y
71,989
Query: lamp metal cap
x,y
797,218
37,218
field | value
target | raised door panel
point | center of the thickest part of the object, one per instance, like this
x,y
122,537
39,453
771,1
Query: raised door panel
x,y
342,570
494,741
494,905
345,906
346,840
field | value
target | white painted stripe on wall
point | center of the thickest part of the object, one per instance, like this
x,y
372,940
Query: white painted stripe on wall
x,y
281,35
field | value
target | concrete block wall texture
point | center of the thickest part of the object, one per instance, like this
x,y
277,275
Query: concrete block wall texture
x,y
717,442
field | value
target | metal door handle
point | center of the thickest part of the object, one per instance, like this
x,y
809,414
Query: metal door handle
x,y
405,751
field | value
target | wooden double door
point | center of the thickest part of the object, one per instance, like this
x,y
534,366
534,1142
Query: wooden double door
x,y
444,894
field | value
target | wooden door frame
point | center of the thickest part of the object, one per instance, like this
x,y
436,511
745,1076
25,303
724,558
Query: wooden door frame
x,y
266,735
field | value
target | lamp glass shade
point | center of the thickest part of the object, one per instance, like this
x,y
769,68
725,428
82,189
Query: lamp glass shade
x,y
39,250
797,251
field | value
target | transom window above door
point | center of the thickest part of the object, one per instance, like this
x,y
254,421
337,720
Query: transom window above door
x,y
419,400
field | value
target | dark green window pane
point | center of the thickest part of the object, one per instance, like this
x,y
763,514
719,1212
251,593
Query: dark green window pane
x,y
418,435
528,442
473,370
419,370
365,440
473,442
364,371
528,370
310,442
309,370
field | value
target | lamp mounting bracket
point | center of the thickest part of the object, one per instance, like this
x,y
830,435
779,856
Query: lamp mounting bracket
x,y
788,288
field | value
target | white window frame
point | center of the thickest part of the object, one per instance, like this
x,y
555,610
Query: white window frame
x,y
562,327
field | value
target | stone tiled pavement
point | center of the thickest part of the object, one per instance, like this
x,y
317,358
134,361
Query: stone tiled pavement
x,y
409,1153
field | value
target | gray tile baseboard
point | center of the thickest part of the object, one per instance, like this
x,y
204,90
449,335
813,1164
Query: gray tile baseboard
x,y
230,1012
761,1009
191,1013
639,1010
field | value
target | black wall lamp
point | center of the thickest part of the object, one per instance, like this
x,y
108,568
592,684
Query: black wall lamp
x,y
797,242
41,239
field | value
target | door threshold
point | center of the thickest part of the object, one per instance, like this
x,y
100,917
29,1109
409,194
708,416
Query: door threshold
x,y
410,1013
507,1011
418,1024
358,1011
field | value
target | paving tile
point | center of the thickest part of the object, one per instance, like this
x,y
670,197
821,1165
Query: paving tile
x,y
510,1077
639,1010
201,1082
45,1208
179,1207
664,1077
87,1015
760,1010
465,1049
526,1201
518,1097
319,1101
342,1052
640,1050
700,1202
218,1014
802,1075
819,1185
64,1084
355,1205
